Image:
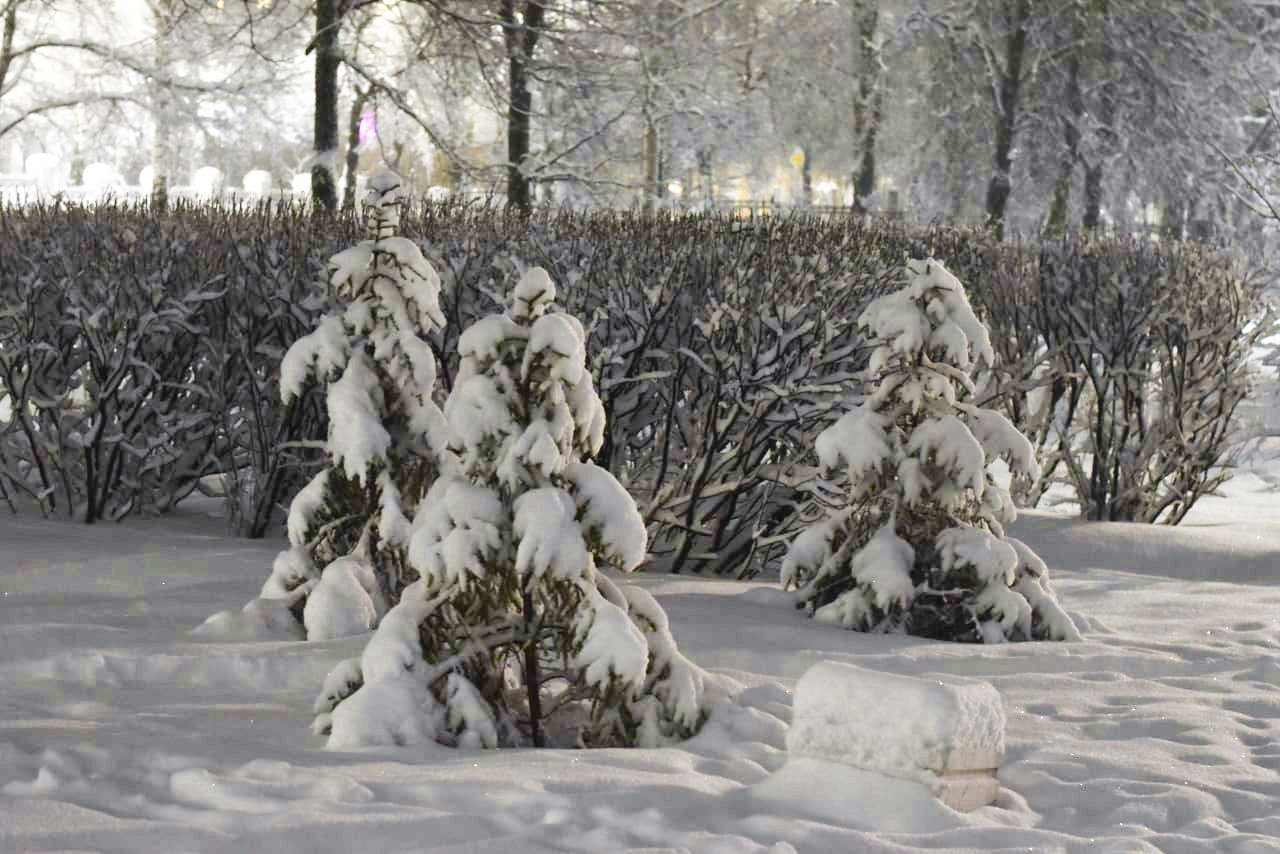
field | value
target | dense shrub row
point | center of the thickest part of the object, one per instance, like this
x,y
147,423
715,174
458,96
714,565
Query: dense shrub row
x,y
142,354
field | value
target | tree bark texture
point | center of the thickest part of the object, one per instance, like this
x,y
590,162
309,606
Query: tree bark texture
x,y
162,107
1060,202
353,148
1009,89
868,104
1100,51
650,164
324,190
521,39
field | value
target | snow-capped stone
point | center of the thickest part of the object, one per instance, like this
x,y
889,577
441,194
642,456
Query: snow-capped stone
x,y
947,733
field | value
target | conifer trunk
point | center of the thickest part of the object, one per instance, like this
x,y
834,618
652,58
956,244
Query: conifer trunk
x,y
532,678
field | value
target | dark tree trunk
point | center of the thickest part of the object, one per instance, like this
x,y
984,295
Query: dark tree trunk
x,y
1010,90
1093,173
1092,197
162,107
869,104
6,42
1055,223
353,146
324,189
532,676
806,177
521,38
650,164
705,176
1175,214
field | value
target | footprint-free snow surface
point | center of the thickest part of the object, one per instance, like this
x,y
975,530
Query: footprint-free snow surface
x,y
120,731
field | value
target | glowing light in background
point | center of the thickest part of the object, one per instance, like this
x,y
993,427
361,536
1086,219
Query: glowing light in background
x,y
367,130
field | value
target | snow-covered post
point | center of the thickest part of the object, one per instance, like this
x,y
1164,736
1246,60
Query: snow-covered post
x,y
513,633
918,542
386,433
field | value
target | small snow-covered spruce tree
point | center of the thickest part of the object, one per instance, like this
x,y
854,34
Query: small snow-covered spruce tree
x,y
385,431
513,633
918,541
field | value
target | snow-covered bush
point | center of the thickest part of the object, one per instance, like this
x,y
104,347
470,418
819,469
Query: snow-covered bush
x,y
918,540
513,632
1152,348
386,432
105,374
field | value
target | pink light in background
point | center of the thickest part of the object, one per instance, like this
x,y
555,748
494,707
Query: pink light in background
x,y
367,130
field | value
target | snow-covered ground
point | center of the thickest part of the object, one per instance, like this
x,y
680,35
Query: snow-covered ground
x,y
1160,732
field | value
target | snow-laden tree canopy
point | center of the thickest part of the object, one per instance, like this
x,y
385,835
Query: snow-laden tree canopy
x,y
349,527
918,542
514,633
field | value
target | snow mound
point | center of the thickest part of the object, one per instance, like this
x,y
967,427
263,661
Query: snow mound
x,y
852,797
394,711
267,619
345,602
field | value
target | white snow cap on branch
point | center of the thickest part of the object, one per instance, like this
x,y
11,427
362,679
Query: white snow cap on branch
x,y
900,321
347,601
323,351
811,549
550,537
557,342
532,294
946,442
612,645
305,505
456,532
609,514
860,440
681,688
992,559
884,566
291,568
1000,438
357,438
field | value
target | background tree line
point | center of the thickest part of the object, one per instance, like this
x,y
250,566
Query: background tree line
x,y
1031,116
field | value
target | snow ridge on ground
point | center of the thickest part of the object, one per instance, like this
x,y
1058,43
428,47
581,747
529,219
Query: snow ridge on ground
x,y
1160,732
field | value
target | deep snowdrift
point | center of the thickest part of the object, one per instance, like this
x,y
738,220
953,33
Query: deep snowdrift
x,y
119,731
